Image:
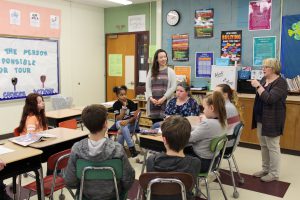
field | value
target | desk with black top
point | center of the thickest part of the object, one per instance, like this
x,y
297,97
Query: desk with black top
x,y
22,160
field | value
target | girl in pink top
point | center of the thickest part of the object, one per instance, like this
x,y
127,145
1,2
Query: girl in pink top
x,y
33,118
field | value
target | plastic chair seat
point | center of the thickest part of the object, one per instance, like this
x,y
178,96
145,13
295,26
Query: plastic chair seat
x,y
59,184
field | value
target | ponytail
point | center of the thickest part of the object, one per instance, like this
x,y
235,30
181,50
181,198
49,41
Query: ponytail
x,y
216,99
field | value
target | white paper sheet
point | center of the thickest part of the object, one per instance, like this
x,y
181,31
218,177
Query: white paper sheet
x,y
129,72
142,76
4,150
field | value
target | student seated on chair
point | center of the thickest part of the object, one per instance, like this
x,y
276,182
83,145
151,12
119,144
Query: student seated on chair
x,y
212,125
176,131
124,120
232,109
3,194
98,148
183,104
33,117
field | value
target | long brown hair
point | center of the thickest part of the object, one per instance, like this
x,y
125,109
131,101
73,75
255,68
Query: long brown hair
x,y
155,64
31,108
232,96
216,99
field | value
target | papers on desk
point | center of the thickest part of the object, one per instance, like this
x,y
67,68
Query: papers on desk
x,y
150,131
4,150
30,138
108,104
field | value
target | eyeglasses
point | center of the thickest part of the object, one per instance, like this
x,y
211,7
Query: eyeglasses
x,y
266,67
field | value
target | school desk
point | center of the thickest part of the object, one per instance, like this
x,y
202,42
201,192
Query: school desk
x,y
56,116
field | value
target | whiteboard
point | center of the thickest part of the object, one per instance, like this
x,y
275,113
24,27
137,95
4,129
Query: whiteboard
x,y
28,65
223,74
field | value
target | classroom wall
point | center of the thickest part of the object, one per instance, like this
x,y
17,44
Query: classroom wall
x,y
228,15
82,65
119,16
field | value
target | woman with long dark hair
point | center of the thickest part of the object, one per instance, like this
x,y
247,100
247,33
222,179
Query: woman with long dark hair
x,y
160,86
33,117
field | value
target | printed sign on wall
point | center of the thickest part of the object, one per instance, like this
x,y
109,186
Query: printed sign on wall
x,y
26,66
231,45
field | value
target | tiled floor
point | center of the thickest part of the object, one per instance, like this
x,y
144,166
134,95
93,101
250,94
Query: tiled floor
x,y
249,162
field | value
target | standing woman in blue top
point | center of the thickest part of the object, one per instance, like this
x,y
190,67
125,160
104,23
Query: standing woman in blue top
x,y
124,120
160,86
269,117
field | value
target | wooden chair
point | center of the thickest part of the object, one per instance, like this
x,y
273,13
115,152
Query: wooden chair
x,y
55,181
106,170
217,146
71,124
169,184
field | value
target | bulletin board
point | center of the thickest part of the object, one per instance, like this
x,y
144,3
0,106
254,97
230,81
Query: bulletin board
x,y
28,65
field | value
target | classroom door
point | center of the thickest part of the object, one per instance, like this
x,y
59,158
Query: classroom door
x,y
120,63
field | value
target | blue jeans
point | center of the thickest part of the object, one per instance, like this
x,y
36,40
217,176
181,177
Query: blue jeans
x,y
125,134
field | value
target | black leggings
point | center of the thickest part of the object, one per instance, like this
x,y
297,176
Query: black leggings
x,y
205,163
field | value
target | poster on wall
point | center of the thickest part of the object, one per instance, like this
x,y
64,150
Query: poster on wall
x,y
203,62
204,23
115,65
260,15
136,23
231,45
290,46
180,47
185,71
26,66
263,47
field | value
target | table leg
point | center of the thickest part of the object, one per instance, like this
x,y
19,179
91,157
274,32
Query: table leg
x,y
14,187
38,184
42,182
144,162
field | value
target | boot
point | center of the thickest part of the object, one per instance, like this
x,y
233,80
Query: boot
x,y
133,152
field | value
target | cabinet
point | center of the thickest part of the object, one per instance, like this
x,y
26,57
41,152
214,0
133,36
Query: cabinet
x,y
290,139
144,120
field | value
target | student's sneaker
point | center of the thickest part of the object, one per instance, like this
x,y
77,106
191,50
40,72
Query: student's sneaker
x,y
133,152
269,178
260,174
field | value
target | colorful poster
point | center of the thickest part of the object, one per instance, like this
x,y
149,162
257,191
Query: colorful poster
x,y
203,62
28,65
231,45
180,47
115,64
290,46
184,70
204,23
260,15
263,47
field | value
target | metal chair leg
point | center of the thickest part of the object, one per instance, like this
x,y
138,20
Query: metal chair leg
x,y
207,189
235,192
221,186
242,180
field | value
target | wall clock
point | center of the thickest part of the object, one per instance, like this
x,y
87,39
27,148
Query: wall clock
x,y
173,17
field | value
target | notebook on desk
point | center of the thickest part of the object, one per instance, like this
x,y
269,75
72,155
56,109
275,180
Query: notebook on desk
x,y
30,138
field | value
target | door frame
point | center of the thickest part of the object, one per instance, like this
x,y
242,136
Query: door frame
x,y
136,75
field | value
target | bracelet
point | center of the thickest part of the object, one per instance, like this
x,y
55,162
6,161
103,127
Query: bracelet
x,y
124,107
258,87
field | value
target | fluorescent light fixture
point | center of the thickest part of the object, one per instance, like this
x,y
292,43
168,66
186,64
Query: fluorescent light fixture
x,y
123,2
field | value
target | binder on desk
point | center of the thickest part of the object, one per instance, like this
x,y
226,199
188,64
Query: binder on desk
x,y
30,138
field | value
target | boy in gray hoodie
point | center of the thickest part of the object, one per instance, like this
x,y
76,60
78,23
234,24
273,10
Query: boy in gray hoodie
x,y
176,131
98,148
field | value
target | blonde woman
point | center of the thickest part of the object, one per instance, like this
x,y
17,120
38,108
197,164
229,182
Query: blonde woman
x,y
269,116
